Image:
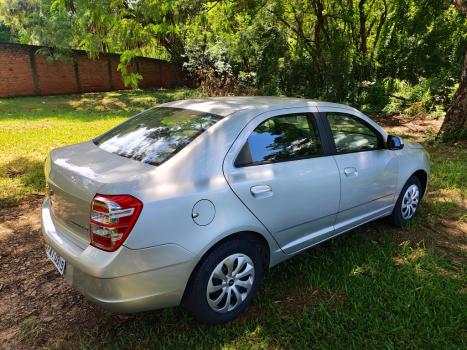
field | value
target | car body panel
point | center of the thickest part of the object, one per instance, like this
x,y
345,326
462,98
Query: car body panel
x,y
178,183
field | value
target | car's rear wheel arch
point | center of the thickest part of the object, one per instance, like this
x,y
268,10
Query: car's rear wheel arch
x,y
251,236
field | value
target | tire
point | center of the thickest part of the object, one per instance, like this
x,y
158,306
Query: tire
x,y
410,196
246,269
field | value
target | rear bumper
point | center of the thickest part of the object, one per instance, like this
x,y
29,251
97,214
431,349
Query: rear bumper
x,y
126,280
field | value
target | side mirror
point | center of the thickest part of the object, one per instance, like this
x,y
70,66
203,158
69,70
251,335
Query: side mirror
x,y
394,142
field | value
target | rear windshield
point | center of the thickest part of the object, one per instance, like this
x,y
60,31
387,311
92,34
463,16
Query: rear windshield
x,y
157,134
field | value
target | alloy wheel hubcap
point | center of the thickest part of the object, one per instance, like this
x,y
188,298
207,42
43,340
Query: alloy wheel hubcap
x,y
230,283
410,202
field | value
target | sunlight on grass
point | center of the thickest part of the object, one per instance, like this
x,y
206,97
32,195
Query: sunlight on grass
x,y
134,100
361,270
251,339
409,254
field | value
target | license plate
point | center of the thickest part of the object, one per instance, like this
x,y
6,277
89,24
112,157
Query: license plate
x,y
58,261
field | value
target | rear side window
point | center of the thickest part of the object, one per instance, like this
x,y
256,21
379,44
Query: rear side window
x,y
157,134
281,138
352,135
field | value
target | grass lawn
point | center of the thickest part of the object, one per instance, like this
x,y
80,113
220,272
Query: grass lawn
x,y
374,287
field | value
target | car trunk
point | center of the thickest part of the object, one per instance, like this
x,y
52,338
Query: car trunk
x,y
75,174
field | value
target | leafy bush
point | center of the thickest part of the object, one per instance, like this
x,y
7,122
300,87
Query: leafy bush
x,y
213,73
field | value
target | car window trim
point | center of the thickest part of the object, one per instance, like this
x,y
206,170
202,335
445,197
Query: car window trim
x,y
324,119
310,116
277,161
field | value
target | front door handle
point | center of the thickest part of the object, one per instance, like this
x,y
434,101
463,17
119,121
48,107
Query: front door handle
x,y
350,171
261,191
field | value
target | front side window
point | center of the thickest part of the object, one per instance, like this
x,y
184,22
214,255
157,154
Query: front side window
x,y
281,138
157,134
351,134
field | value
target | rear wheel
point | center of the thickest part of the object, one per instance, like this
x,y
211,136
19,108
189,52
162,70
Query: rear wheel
x,y
407,203
225,282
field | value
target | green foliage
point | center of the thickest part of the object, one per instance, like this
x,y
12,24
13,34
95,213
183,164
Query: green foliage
x,y
272,49
6,35
363,52
130,78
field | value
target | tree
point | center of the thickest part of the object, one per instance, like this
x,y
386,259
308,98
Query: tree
x,y
455,122
380,55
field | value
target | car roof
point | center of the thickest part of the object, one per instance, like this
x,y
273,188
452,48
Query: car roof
x,y
227,105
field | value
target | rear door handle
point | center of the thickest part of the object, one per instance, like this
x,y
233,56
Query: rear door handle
x,y
261,191
350,171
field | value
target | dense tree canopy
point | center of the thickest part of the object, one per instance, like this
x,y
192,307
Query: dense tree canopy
x,y
383,56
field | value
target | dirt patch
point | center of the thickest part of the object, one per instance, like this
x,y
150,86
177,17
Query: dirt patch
x,y
38,308
415,129
448,237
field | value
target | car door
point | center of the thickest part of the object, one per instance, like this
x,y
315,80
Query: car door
x,y
368,170
280,170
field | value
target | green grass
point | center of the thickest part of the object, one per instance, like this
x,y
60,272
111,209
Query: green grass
x,y
373,288
349,294
31,328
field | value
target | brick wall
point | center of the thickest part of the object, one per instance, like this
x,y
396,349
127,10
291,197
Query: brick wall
x,y
93,74
16,72
24,72
54,77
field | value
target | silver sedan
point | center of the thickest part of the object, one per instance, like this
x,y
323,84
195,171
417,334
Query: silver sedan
x,y
190,202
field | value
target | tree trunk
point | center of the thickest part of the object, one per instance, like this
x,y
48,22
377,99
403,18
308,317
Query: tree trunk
x,y
454,125
363,72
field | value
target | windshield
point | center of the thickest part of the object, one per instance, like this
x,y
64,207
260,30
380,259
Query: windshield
x,y
157,134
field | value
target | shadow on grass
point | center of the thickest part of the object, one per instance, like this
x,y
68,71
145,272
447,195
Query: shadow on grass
x,y
31,177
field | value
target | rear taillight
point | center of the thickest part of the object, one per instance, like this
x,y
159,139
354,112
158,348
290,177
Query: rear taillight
x,y
112,218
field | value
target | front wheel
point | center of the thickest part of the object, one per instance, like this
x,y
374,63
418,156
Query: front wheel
x,y
407,203
225,282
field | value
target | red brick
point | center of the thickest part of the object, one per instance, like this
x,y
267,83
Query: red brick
x,y
15,72
168,75
93,74
117,80
55,77
151,72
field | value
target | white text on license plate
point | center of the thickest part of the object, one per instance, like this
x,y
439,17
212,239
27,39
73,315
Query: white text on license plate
x,y
58,261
